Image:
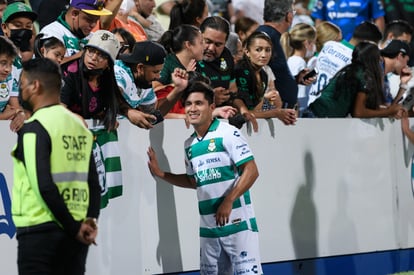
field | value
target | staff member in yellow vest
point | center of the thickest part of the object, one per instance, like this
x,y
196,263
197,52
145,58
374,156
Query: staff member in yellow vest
x,y
56,193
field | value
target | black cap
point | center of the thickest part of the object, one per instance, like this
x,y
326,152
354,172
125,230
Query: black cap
x,y
147,53
394,47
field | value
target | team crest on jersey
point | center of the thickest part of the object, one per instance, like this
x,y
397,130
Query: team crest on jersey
x,y
4,92
223,64
212,145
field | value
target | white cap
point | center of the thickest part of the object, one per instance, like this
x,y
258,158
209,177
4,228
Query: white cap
x,y
106,42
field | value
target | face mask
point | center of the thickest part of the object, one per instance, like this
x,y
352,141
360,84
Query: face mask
x,y
25,103
311,52
21,39
79,34
93,72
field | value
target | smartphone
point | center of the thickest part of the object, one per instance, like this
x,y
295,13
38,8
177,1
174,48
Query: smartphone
x,y
158,116
311,74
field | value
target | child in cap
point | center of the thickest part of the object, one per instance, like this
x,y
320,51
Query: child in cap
x,y
49,47
9,103
93,75
90,90
17,25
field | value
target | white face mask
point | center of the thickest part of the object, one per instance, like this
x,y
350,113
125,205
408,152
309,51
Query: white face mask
x,y
311,52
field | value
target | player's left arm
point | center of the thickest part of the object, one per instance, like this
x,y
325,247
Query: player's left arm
x,y
249,174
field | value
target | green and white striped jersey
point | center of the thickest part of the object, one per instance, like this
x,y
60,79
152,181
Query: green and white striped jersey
x,y
213,161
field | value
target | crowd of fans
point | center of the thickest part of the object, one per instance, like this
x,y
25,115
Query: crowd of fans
x,y
290,60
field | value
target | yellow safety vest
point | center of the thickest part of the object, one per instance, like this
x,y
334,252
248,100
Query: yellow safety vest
x,y
69,161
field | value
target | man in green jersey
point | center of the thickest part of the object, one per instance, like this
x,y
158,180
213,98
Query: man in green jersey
x,y
221,166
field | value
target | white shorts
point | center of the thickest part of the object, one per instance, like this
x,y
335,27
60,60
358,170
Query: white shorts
x,y
235,254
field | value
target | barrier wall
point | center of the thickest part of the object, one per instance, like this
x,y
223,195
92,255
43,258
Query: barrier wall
x,y
326,187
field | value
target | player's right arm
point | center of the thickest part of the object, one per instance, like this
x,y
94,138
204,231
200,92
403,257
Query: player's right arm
x,y
180,180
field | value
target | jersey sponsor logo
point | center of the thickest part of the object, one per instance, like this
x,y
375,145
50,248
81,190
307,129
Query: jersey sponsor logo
x,y
244,149
246,261
338,15
208,174
236,133
213,160
242,146
200,163
333,52
208,161
247,271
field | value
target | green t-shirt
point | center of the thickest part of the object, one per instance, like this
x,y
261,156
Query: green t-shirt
x,y
341,105
171,62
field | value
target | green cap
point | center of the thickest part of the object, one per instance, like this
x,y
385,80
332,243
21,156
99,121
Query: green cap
x,y
18,9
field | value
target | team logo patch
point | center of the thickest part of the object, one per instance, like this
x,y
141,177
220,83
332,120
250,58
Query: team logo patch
x,y
4,92
105,37
223,64
212,145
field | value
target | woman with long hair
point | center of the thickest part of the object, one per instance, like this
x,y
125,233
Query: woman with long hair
x,y
255,83
184,45
91,91
357,89
191,12
299,46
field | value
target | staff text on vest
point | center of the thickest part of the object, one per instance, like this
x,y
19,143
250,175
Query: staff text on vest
x,y
74,145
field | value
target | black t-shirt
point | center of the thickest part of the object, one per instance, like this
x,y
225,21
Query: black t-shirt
x,y
285,83
220,71
247,90
73,94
